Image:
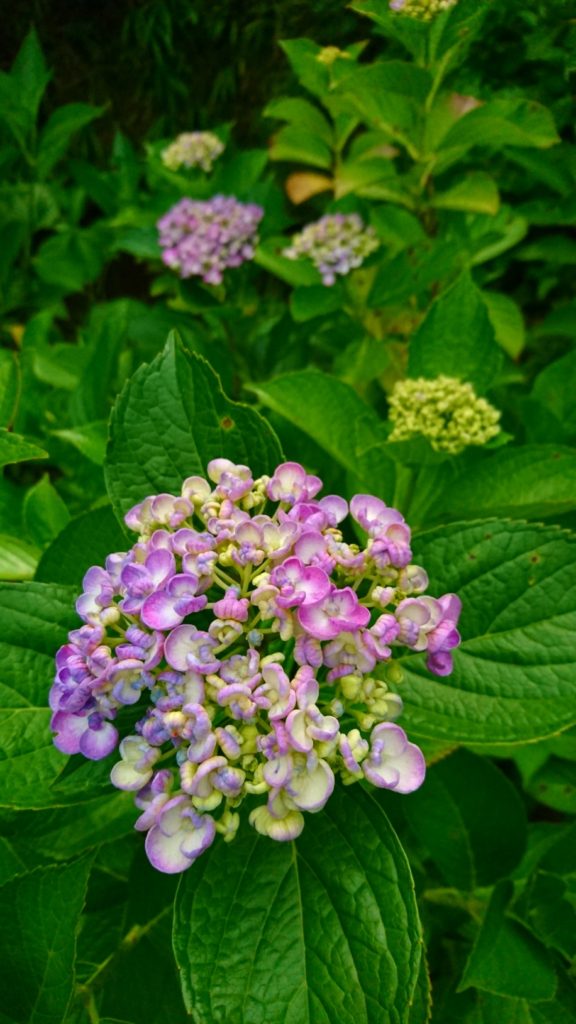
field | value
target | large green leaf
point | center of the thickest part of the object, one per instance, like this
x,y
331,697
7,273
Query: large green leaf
x,y
473,842
14,448
300,112
45,513
171,419
507,320
476,193
89,439
40,912
328,410
513,676
21,91
554,389
84,542
504,122
74,258
323,931
18,558
527,482
34,620
58,131
311,72
60,833
506,959
292,143
456,338
388,96
295,272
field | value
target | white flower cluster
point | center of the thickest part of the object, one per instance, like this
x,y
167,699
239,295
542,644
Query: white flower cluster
x,y
193,149
422,10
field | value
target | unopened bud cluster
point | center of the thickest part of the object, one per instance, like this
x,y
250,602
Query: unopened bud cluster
x,y
193,149
446,411
422,10
260,642
336,244
203,239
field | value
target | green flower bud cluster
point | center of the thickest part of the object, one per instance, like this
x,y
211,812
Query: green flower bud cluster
x,y
422,10
446,410
193,149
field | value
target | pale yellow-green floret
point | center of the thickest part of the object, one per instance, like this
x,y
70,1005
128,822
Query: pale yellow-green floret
x,y
423,10
193,149
446,411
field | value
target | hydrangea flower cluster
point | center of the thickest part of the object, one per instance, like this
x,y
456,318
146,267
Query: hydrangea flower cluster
x,y
445,410
193,149
423,10
203,239
260,640
336,244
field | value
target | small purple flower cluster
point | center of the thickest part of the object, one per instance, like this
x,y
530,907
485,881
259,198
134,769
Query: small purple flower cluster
x,y
203,239
262,640
336,244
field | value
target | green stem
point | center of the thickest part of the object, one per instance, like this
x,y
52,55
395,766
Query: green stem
x,y
85,992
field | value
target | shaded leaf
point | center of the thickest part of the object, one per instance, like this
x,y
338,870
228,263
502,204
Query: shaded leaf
x,y
87,540
506,959
335,915
14,448
41,915
473,842
171,419
456,338
544,484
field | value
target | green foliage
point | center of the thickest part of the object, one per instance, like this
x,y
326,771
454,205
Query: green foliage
x,y
512,678
43,911
336,918
454,143
181,390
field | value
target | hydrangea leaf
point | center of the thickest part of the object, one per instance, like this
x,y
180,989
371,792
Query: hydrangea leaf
x,y
45,512
11,864
318,300
14,448
41,913
145,988
89,439
9,386
326,409
456,338
513,677
491,1009
528,482
34,621
507,959
452,827
321,931
18,558
421,1008
57,133
300,112
84,542
504,122
59,833
171,419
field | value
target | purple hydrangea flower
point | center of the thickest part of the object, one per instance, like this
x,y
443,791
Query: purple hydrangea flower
x,y
335,244
204,238
193,623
